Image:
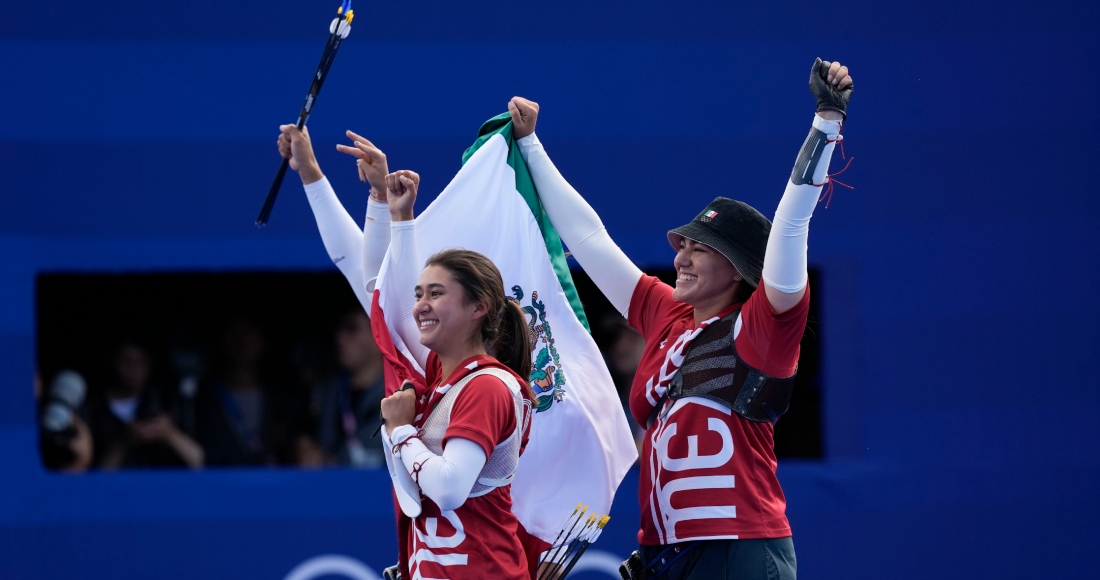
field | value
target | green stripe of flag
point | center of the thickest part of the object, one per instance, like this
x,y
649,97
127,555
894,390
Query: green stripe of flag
x,y
502,125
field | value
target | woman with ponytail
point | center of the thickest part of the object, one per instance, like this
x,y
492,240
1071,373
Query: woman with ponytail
x,y
455,454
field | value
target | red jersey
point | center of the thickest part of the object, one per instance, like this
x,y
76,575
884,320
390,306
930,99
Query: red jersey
x,y
707,473
481,538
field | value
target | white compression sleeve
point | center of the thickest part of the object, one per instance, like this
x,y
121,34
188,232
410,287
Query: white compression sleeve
x,y
446,479
342,238
376,240
406,273
408,493
581,229
785,260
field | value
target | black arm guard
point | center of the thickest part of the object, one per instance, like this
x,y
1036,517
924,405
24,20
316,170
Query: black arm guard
x,y
392,573
808,158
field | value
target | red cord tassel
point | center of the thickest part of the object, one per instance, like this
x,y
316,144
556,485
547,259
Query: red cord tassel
x,y
827,194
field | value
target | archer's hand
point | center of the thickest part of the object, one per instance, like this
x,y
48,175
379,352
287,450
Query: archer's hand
x,y
524,115
295,146
831,85
402,186
399,409
371,163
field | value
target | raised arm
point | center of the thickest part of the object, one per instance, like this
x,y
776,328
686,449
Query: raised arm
x,y
405,261
357,254
577,223
785,261
373,168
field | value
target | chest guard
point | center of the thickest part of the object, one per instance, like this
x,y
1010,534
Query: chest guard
x,y
712,369
501,465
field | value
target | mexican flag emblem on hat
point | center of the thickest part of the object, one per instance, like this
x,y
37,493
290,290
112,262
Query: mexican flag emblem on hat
x,y
738,232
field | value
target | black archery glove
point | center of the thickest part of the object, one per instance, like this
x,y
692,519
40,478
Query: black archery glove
x,y
829,98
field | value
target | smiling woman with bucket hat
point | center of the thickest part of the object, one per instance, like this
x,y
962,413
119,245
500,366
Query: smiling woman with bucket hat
x,y
720,356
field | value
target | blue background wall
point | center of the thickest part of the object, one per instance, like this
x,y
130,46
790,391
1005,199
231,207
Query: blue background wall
x,y
960,330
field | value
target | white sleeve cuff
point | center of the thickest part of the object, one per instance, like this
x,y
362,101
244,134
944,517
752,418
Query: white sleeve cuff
x,y
400,434
379,211
829,128
405,225
318,188
527,143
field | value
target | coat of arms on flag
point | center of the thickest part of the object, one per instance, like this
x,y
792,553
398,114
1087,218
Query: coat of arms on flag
x,y
547,376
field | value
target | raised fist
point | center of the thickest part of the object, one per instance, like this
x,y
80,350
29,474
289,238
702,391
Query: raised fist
x,y
524,115
831,85
399,409
402,186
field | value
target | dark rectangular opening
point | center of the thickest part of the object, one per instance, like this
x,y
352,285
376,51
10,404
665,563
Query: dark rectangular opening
x,y
186,325
186,332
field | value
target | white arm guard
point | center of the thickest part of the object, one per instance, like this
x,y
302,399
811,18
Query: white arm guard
x,y
406,490
581,229
446,479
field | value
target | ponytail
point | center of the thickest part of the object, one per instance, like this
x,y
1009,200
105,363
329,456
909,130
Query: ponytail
x,y
513,344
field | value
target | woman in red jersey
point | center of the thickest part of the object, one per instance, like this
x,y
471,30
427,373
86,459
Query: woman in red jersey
x,y
452,464
720,355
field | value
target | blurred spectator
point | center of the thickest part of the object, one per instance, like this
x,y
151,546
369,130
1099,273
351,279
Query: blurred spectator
x,y
623,352
347,407
131,421
622,349
187,355
64,440
239,413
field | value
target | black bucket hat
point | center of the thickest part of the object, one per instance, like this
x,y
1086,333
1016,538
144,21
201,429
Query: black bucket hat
x,y
735,229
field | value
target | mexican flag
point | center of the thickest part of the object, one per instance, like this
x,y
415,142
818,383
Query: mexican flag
x,y
580,445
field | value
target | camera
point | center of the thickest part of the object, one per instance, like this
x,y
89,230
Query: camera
x,y
58,422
